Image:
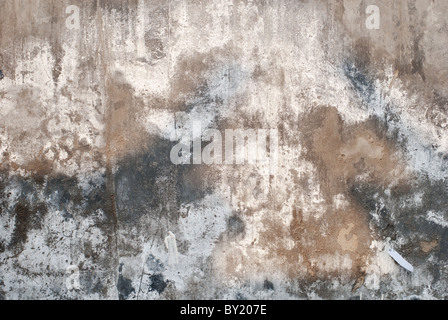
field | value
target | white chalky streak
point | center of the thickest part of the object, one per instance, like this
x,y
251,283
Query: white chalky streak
x,y
170,243
72,282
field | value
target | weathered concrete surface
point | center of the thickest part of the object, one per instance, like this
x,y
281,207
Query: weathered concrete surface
x,y
86,179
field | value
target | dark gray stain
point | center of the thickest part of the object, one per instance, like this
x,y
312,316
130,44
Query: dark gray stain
x,y
1,75
91,283
3,197
2,292
57,52
124,286
148,183
27,217
235,226
364,195
398,214
239,296
64,192
35,198
192,185
418,58
361,83
22,215
268,285
158,283
141,182
443,251
154,265
416,28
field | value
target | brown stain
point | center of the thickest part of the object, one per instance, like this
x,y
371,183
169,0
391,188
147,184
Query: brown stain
x,y
358,283
37,168
30,22
192,71
428,246
342,152
322,245
188,80
124,134
27,217
272,75
23,215
362,53
311,245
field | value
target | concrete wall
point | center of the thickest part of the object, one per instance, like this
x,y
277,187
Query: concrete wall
x,y
92,207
